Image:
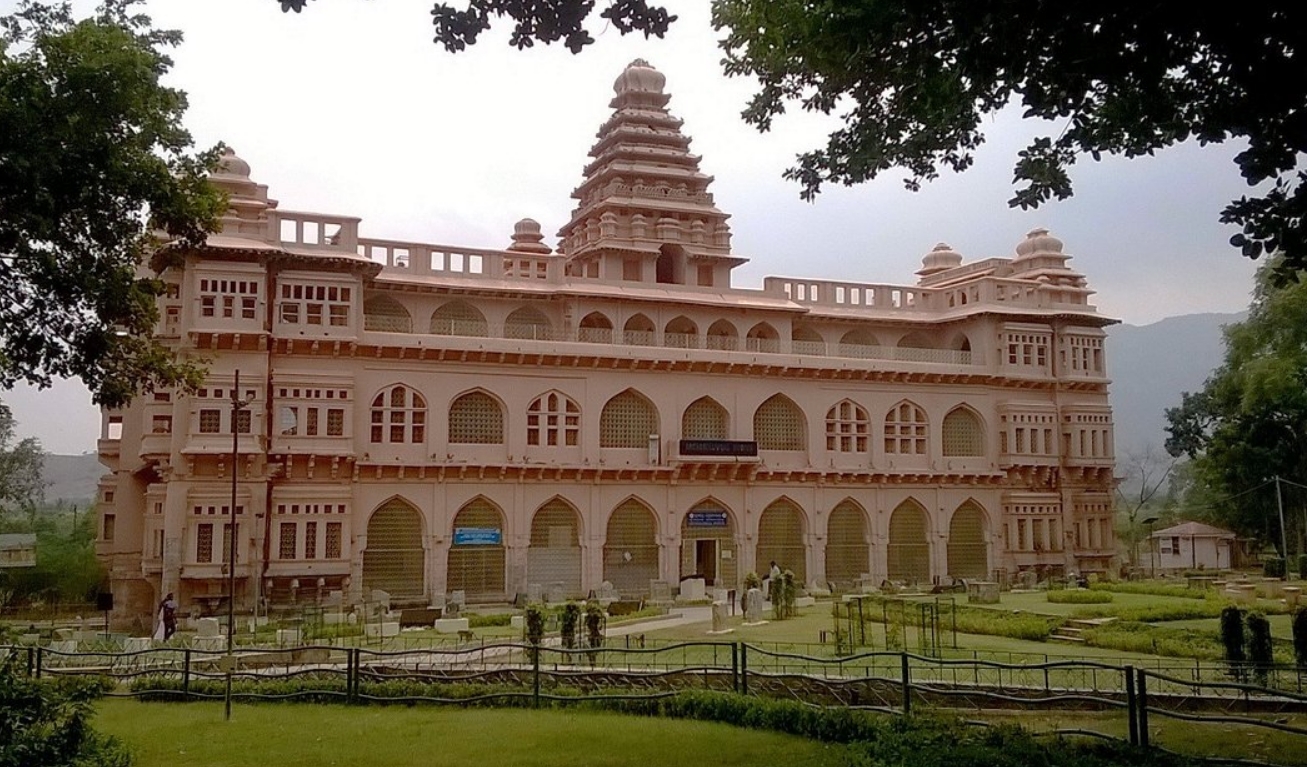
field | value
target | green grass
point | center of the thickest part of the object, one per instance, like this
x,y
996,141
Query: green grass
x,y
191,735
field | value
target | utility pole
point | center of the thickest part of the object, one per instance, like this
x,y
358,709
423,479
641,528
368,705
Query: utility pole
x,y
1284,540
237,404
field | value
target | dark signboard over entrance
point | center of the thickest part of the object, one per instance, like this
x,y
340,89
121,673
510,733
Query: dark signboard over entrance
x,y
725,447
706,519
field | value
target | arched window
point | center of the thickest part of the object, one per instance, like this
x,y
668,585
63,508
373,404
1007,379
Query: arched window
x,y
962,434
778,425
393,560
968,556
705,419
476,552
905,430
722,335
847,552
627,421
476,419
780,538
681,333
847,428
639,331
762,338
554,555
631,548
458,318
553,420
908,551
527,324
805,340
861,344
595,328
399,414
387,315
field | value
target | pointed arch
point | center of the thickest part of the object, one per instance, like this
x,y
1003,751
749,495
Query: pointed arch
x,y
476,554
595,328
763,338
860,343
639,330
527,323
476,418
968,556
631,548
723,336
398,415
554,553
385,314
705,419
708,546
847,553
906,429
781,529
627,420
681,333
778,424
959,342
962,433
394,560
804,339
459,318
916,340
848,428
553,420
908,551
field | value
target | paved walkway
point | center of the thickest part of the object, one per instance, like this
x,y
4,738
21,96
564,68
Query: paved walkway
x,y
677,616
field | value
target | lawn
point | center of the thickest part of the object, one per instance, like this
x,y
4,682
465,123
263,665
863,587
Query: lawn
x,y
194,734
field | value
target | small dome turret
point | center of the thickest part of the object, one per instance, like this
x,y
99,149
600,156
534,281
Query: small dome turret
x,y
527,237
940,258
1038,242
639,77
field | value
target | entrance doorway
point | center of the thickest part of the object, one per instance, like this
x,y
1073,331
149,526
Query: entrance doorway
x,y
705,559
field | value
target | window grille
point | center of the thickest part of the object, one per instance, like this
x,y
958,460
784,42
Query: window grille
x,y
335,422
399,415
527,324
847,427
227,536
477,570
905,430
286,547
554,554
457,318
968,555
210,421
780,539
962,434
908,551
204,543
705,419
553,420
631,549
778,425
394,560
847,553
383,313
476,419
334,550
310,540
555,526
627,421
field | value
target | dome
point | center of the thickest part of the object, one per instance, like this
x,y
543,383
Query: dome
x,y
527,237
231,165
639,77
941,257
1038,242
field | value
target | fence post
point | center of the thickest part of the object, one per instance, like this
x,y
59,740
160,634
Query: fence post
x,y
40,660
744,668
31,660
535,676
735,667
351,674
907,684
186,674
1142,704
1130,705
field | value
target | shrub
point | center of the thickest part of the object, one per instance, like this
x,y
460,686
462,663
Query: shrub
x,y
1302,566
1232,638
1300,637
784,591
534,628
1260,650
568,625
1143,638
1079,597
47,723
1153,589
1273,567
752,581
595,622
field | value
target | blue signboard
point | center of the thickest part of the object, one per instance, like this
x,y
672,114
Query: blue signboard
x,y
477,536
706,519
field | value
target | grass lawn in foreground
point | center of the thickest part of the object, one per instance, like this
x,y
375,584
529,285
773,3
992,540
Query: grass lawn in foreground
x,y
303,735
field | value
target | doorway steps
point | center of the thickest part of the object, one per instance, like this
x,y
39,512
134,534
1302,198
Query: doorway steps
x,y
1071,630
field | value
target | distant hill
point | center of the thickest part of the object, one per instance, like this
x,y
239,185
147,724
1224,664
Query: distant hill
x,y
1151,365
72,478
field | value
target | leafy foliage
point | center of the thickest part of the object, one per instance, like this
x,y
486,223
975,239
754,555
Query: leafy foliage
x,y
568,624
21,463
47,724
66,566
1260,648
96,162
1232,638
1079,597
1300,637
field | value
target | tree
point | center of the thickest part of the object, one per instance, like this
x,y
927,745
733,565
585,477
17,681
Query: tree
x,y
1248,424
1145,473
912,82
21,484
94,164
46,723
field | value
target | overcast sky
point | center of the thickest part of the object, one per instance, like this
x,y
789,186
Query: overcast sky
x,y
350,108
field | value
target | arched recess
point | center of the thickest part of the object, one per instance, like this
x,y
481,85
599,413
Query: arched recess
x,y
385,314
708,546
627,420
848,428
681,333
670,268
962,433
762,338
459,318
527,323
553,420
705,419
639,331
595,328
780,539
394,561
906,429
631,548
398,415
476,418
723,336
959,342
908,552
476,553
968,556
860,343
554,555
916,340
847,554
806,340
778,424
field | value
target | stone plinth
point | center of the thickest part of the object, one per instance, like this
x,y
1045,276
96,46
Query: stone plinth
x,y
384,629
982,592
693,589
1273,588
517,621
753,606
208,627
660,592
1027,579
451,625
719,610
288,636
805,602
1292,595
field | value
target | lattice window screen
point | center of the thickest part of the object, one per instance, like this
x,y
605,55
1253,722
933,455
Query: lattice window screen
x,y
780,539
704,419
204,543
553,420
399,415
477,570
385,314
905,430
631,549
847,427
778,425
334,549
555,526
527,323
627,421
908,551
967,553
393,560
457,318
310,540
286,546
847,553
476,419
962,434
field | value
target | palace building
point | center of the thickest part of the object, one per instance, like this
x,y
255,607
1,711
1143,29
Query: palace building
x,y
423,419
